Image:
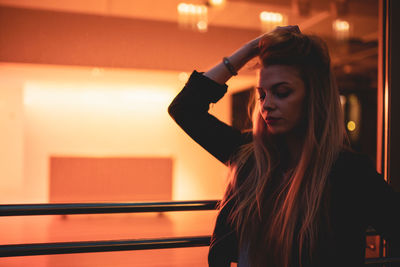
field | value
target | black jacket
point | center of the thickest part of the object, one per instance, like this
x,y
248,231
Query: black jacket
x,y
358,195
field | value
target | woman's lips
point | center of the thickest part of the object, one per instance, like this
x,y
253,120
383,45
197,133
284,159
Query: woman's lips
x,y
272,120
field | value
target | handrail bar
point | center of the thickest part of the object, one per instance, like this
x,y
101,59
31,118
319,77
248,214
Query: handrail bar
x,y
101,246
103,208
123,245
97,208
117,245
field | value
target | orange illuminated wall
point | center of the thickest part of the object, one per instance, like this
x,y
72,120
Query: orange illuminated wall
x,y
87,179
78,112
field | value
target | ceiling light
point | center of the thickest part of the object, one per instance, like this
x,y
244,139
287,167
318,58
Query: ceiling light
x,y
193,17
341,28
270,20
216,3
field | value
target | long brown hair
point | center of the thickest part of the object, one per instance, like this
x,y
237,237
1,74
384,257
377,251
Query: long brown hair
x,y
278,215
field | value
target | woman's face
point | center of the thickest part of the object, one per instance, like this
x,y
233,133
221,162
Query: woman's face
x,y
281,95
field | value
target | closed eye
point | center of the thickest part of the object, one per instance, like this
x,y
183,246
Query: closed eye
x,y
282,91
283,94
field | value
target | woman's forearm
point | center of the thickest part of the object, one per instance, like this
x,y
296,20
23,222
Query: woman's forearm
x,y
221,74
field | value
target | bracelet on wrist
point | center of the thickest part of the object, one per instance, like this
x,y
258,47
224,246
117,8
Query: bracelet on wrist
x,y
229,66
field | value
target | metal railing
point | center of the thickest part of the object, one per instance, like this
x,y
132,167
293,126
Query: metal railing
x,y
119,245
107,245
99,208
101,246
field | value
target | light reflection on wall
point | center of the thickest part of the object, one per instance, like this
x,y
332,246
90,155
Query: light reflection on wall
x,y
353,117
142,98
96,112
109,119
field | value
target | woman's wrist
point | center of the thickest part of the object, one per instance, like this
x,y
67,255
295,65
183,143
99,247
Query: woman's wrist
x,y
225,70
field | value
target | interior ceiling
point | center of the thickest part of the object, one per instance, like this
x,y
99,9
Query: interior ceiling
x,y
362,14
241,14
319,4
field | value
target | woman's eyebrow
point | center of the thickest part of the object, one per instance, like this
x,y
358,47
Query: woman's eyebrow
x,y
274,86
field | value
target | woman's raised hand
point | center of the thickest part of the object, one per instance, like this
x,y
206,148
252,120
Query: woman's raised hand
x,y
253,45
220,73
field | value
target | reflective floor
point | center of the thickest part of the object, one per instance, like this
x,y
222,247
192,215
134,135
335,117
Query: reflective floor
x,y
40,229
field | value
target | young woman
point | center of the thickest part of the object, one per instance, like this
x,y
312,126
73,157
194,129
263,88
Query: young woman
x,y
297,196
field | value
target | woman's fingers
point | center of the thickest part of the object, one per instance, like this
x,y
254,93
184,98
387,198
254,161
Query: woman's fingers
x,y
292,28
255,42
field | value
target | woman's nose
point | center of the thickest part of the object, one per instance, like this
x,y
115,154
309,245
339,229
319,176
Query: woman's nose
x,y
269,103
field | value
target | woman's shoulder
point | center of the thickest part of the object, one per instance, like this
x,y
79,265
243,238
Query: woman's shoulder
x,y
351,166
354,175
348,158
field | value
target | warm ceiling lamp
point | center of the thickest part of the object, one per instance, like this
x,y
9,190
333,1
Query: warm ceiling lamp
x,y
194,17
270,20
341,29
216,3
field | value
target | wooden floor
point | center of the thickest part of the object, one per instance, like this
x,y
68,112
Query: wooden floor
x,y
40,229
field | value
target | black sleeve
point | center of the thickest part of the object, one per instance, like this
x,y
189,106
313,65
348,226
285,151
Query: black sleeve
x,y
190,108
383,204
